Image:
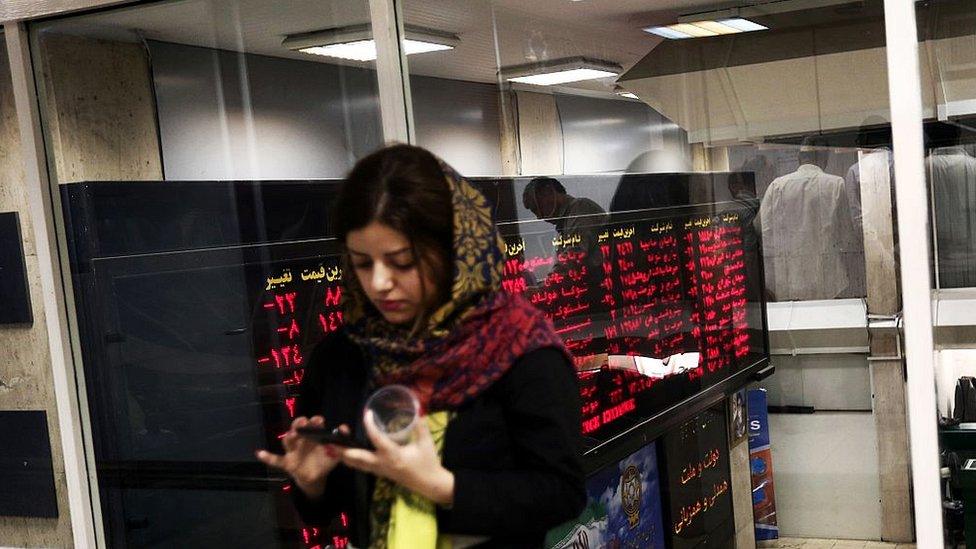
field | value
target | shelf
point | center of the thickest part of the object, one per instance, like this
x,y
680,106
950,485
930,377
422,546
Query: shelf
x,y
835,326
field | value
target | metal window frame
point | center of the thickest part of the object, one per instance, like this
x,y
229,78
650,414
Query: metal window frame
x,y
396,108
905,98
72,409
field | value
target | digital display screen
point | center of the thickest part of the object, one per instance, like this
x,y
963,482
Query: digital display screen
x,y
298,303
654,309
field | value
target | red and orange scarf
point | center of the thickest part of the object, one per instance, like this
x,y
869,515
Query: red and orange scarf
x,y
472,339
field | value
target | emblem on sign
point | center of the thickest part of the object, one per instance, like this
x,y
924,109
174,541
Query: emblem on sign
x,y
630,494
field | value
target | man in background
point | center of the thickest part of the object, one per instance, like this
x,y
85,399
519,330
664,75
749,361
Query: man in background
x,y
807,231
547,199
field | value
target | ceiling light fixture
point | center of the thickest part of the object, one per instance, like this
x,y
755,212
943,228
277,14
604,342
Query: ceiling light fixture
x,y
561,71
701,29
355,43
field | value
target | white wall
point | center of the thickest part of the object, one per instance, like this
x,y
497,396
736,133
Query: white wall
x,y
825,470
460,122
608,135
950,365
225,115
826,382
825,464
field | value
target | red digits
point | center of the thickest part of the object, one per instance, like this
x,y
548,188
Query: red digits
x,y
333,296
286,302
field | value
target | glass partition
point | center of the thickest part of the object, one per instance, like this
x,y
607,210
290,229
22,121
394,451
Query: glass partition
x,y
670,107
196,147
947,30
590,113
681,192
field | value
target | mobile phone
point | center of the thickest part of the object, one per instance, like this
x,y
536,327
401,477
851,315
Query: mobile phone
x,y
323,435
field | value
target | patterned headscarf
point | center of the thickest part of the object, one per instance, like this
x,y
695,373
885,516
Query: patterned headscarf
x,y
466,345
473,338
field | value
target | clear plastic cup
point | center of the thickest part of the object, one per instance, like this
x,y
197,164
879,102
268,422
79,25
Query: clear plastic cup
x,y
395,412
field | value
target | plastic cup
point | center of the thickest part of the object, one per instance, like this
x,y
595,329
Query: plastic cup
x,y
395,412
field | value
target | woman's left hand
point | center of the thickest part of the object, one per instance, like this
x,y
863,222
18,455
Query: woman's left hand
x,y
414,466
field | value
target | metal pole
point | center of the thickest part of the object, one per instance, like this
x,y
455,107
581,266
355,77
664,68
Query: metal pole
x,y
904,90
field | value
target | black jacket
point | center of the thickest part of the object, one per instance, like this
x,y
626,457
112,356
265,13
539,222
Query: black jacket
x,y
514,450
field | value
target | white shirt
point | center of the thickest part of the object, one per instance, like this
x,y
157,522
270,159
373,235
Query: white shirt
x,y
952,173
875,167
809,239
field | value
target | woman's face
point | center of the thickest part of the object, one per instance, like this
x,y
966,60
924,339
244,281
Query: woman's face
x,y
388,272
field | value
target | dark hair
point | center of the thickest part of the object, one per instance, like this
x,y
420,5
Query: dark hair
x,y
813,150
545,183
404,188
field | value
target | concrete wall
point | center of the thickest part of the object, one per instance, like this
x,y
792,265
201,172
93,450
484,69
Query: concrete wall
x,y
26,381
99,111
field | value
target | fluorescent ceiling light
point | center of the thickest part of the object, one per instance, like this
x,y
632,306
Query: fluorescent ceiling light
x,y
667,32
356,43
716,27
744,25
693,30
365,50
561,71
562,77
701,29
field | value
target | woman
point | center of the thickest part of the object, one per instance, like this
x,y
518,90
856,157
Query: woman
x,y
425,310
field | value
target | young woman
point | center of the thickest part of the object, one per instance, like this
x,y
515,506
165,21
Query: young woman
x,y
496,461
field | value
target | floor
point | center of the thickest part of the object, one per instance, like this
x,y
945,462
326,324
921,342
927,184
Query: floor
x,y
809,543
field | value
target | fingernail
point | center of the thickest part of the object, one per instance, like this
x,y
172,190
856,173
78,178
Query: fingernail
x,y
331,452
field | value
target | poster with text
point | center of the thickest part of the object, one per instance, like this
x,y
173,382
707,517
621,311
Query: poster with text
x,y
697,482
761,464
623,508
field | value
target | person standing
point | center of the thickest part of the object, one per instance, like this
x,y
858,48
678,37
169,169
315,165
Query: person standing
x,y
496,460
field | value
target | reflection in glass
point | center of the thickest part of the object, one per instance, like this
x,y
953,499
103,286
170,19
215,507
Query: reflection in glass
x,y
952,176
808,234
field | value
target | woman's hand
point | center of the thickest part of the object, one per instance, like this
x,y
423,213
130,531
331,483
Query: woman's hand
x,y
307,462
414,466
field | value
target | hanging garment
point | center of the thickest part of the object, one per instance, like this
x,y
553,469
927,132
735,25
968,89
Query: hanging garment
x,y
808,236
952,174
875,169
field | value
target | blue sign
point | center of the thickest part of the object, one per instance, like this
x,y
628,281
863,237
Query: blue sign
x,y
761,464
623,508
